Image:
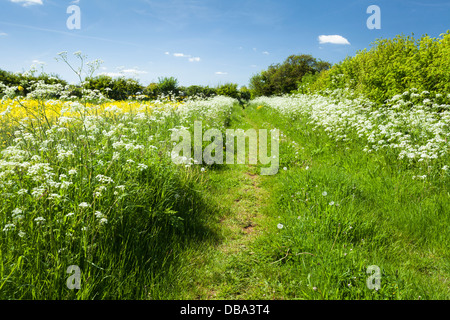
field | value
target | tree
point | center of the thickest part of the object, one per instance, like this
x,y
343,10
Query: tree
x,y
199,91
284,78
244,93
168,86
228,90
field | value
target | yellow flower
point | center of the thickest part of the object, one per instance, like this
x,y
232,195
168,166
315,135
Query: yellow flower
x,y
20,88
259,107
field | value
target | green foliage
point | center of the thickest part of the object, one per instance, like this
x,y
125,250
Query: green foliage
x,y
392,66
228,90
283,78
152,90
245,93
337,210
168,86
126,216
306,82
27,80
198,91
114,88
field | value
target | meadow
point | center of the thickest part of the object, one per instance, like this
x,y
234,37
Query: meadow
x,y
93,185
89,181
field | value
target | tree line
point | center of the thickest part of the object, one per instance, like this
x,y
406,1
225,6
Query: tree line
x,y
278,79
388,68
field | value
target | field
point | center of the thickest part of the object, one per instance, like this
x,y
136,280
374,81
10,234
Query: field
x,y
91,183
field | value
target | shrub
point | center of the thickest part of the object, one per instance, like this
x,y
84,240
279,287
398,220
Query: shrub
x,y
168,86
152,90
228,90
392,66
114,88
244,93
199,91
28,80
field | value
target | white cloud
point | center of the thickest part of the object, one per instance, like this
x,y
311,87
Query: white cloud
x,y
2,34
38,62
122,72
26,3
135,71
221,73
112,74
188,56
334,39
266,52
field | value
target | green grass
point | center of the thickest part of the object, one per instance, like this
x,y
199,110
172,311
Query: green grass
x,y
380,216
157,213
373,214
179,233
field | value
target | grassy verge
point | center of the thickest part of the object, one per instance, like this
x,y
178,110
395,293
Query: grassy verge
x,y
341,211
98,191
312,230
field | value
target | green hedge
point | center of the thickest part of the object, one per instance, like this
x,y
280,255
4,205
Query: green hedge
x,y
26,81
393,66
114,88
199,91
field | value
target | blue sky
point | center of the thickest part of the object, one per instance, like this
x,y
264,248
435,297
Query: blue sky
x,y
205,42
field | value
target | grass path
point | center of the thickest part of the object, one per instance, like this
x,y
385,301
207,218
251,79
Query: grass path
x,y
242,194
322,245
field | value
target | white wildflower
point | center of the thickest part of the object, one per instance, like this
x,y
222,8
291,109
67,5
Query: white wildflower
x,y
22,192
83,205
9,227
39,220
17,211
104,179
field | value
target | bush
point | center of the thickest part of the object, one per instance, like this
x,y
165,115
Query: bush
x,y
114,88
228,90
244,94
168,86
199,91
305,84
392,66
152,91
28,80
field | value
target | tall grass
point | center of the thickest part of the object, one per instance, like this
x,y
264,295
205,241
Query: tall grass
x,y
96,188
338,209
